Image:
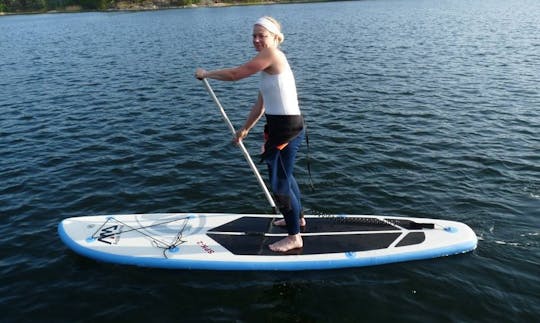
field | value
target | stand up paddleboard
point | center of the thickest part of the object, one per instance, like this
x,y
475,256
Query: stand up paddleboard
x,y
240,241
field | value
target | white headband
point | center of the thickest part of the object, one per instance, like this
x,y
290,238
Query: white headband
x,y
269,25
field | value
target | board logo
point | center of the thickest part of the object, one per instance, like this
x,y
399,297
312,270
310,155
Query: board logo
x,y
110,235
205,247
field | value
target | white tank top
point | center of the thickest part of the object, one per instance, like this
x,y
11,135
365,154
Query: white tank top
x,y
279,93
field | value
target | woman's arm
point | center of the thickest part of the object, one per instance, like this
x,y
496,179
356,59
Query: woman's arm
x,y
262,61
256,113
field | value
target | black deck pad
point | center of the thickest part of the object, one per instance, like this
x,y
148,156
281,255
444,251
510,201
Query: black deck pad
x,y
411,225
245,224
314,225
412,238
258,245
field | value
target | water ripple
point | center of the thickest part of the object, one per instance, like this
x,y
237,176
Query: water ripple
x,y
101,115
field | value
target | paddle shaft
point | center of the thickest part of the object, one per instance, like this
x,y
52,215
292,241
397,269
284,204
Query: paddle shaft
x,y
242,147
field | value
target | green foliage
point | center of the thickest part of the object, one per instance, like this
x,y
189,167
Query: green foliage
x,y
44,5
28,5
92,4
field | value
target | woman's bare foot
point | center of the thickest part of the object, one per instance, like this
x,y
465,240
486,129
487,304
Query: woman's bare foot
x,y
287,243
281,222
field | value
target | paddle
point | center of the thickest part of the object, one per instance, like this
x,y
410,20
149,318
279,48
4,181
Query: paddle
x,y
242,147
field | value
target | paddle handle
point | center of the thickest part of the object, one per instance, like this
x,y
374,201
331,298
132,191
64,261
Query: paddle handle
x,y
242,147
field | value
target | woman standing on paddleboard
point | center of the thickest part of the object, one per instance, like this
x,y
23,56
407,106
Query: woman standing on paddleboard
x,y
284,129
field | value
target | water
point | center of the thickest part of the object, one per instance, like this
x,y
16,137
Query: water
x,y
415,108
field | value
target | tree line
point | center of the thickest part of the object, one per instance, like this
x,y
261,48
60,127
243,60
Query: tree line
x,y
20,6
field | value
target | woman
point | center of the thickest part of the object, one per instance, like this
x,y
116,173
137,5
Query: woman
x,y
284,130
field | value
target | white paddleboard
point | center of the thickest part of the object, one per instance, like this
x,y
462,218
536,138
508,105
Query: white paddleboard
x,y
240,241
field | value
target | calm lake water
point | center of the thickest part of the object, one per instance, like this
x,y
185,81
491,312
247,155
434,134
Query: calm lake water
x,y
415,108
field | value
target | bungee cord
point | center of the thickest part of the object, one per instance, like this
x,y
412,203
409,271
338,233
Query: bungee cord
x,y
158,243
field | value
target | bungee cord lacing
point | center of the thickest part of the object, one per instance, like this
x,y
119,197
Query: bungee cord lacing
x,y
158,243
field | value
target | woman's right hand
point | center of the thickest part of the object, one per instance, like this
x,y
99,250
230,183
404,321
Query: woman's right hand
x,y
240,135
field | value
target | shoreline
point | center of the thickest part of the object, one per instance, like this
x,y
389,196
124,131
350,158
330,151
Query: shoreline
x,y
149,6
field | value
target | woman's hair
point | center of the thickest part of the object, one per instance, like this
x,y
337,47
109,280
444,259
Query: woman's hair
x,y
273,21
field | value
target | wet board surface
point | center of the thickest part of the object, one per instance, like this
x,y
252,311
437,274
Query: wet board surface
x,y
240,241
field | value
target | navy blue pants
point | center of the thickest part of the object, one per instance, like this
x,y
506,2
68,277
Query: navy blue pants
x,y
284,186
